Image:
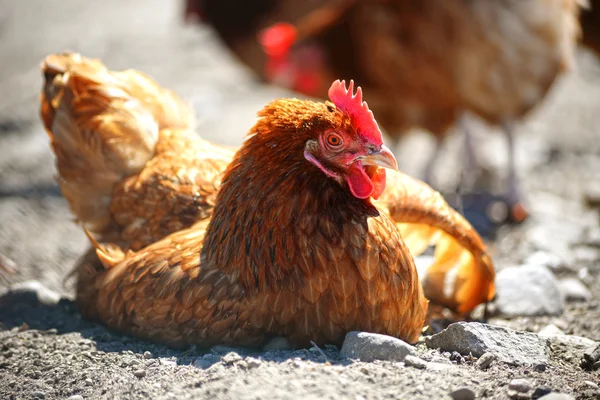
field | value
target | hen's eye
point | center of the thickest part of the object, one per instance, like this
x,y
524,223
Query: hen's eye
x,y
333,139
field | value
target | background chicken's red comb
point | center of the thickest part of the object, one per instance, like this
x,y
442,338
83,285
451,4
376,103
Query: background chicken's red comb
x,y
278,39
351,103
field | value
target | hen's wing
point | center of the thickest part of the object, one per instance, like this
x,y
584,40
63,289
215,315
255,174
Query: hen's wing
x,y
103,126
129,163
462,273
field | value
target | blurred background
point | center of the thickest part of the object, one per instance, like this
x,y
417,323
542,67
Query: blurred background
x,y
228,67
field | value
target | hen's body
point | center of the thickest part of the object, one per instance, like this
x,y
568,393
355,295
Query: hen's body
x,y
191,251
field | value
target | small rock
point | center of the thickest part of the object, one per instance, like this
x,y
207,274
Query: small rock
x,y
572,289
253,362
415,362
486,360
550,330
591,384
514,395
278,343
167,361
592,195
75,397
88,382
147,355
557,396
544,259
540,367
372,346
463,394
139,373
38,394
540,391
456,357
202,363
511,347
520,385
528,290
591,357
44,295
231,358
577,342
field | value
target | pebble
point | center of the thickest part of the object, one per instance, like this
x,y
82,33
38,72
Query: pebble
x,y
372,346
514,395
140,373
557,396
75,397
545,259
147,355
591,384
415,362
591,357
167,361
231,358
202,363
540,391
592,195
463,394
510,346
520,385
572,289
88,382
44,295
550,330
486,360
528,290
38,394
574,344
253,362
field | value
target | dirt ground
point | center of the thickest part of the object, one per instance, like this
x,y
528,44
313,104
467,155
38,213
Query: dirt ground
x,y
62,355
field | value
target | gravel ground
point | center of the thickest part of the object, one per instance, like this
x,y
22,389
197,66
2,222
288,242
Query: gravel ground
x,y
48,351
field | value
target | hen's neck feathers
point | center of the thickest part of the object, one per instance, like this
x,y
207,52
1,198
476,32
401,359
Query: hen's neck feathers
x,y
276,210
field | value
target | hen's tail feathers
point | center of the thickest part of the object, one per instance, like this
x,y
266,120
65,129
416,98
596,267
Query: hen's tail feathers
x,y
103,126
462,274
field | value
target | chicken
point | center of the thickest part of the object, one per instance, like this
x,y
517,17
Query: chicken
x,y
301,232
422,63
590,25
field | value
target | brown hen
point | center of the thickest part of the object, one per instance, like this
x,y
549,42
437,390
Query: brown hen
x,y
197,245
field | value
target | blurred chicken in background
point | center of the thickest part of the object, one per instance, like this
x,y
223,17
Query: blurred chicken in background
x,y
423,63
590,25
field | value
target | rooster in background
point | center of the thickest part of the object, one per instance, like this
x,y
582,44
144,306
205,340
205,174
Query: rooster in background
x,y
300,233
423,63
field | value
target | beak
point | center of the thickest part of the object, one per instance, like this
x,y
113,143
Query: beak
x,y
382,158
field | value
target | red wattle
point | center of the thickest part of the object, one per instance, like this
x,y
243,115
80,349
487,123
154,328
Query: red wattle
x,y
378,179
359,182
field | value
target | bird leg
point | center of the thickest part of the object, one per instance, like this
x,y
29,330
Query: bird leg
x,y
512,185
431,161
470,162
513,190
468,171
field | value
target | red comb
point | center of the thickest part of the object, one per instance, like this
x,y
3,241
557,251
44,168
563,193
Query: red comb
x,y
352,104
278,39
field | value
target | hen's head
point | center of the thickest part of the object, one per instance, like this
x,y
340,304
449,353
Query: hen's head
x,y
341,138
